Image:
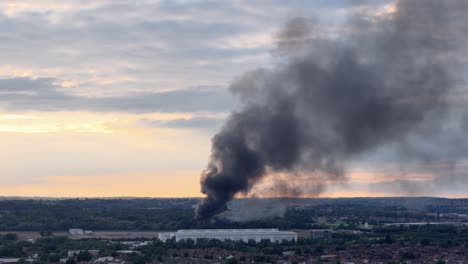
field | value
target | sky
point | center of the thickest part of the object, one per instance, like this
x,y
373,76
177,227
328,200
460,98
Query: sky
x,y
121,98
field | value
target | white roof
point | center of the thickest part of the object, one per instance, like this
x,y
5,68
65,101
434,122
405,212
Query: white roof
x,y
9,260
232,231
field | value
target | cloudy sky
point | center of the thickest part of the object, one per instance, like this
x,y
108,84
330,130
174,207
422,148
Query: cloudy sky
x,y
121,98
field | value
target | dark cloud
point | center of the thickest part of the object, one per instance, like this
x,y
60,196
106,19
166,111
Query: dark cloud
x,y
331,100
43,95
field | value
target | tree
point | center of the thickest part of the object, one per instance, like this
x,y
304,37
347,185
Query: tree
x,y
231,261
11,250
54,258
388,239
71,261
11,237
425,242
408,255
84,256
139,260
259,258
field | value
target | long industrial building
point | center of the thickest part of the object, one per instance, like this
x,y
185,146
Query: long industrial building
x,y
245,235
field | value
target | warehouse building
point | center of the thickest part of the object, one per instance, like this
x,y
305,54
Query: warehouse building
x,y
245,235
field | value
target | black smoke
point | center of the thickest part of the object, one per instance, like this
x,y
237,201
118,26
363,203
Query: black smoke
x,y
332,97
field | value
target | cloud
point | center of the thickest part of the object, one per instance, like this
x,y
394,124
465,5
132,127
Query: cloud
x,y
210,123
127,46
158,45
43,94
433,178
441,186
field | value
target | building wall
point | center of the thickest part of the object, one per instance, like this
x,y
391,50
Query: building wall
x,y
231,234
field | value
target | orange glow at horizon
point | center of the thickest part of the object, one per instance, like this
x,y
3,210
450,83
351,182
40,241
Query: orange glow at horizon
x,y
173,184
85,154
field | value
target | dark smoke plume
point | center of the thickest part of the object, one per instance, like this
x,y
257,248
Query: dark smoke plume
x,y
331,99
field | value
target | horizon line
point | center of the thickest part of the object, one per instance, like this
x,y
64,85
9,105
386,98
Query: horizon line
x,y
200,197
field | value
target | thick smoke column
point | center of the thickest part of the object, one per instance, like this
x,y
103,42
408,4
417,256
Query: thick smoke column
x,y
331,99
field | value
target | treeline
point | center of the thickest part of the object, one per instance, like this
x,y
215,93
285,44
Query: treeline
x,y
172,214
440,235
122,214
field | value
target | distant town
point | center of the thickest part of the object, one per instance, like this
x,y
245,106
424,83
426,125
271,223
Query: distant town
x,y
352,230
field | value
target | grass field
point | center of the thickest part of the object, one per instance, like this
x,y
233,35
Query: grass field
x,y
22,235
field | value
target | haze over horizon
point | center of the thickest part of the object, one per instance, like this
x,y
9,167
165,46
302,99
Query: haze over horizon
x,y
120,99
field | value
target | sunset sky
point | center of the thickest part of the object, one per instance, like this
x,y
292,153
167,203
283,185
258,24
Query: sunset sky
x,y
121,98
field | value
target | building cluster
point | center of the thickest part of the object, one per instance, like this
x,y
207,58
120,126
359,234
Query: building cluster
x,y
359,254
257,235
